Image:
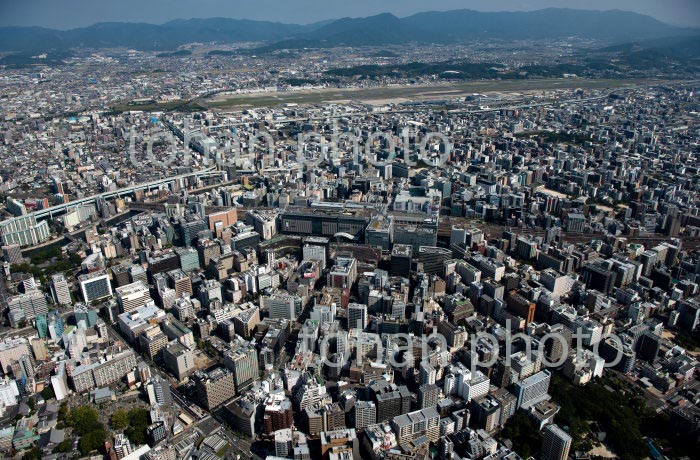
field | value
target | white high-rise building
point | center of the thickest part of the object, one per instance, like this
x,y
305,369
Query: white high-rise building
x,y
60,289
365,414
133,296
95,286
555,444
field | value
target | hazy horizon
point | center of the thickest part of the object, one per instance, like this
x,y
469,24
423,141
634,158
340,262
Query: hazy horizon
x,y
66,14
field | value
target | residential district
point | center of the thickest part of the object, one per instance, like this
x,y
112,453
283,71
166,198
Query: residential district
x,y
496,276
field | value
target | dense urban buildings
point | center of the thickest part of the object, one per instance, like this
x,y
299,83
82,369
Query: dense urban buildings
x,y
368,238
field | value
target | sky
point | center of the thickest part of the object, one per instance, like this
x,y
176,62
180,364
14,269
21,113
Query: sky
x,y
66,14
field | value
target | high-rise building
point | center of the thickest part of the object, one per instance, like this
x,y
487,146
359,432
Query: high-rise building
x,y
365,414
133,296
161,391
433,259
428,396
24,231
85,315
243,363
357,316
56,326
120,275
415,232
379,232
95,286
283,305
137,273
181,282
344,273
411,426
278,413
315,249
12,253
60,290
401,256
189,259
122,446
179,359
209,291
26,307
214,387
555,444
152,340
533,389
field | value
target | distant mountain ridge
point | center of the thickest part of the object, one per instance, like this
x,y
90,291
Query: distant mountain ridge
x,y
382,29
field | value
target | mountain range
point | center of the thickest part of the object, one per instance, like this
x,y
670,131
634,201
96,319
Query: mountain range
x,y
613,26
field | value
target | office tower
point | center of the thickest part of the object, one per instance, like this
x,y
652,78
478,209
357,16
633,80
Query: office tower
x,y
555,444
388,406
122,446
365,414
243,363
340,444
60,291
598,277
120,276
190,228
521,307
283,305
486,411
334,417
189,259
264,222
156,432
181,282
85,315
100,374
433,259
357,316
179,359
209,291
56,326
533,389
207,250
137,273
161,390
401,256
415,232
95,286
278,413
23,308
214,387
458,236
525,248
315,249
379,232
424,422
575,223
12,253
284,439
428,395
343,274
133,296
152,340
42,325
